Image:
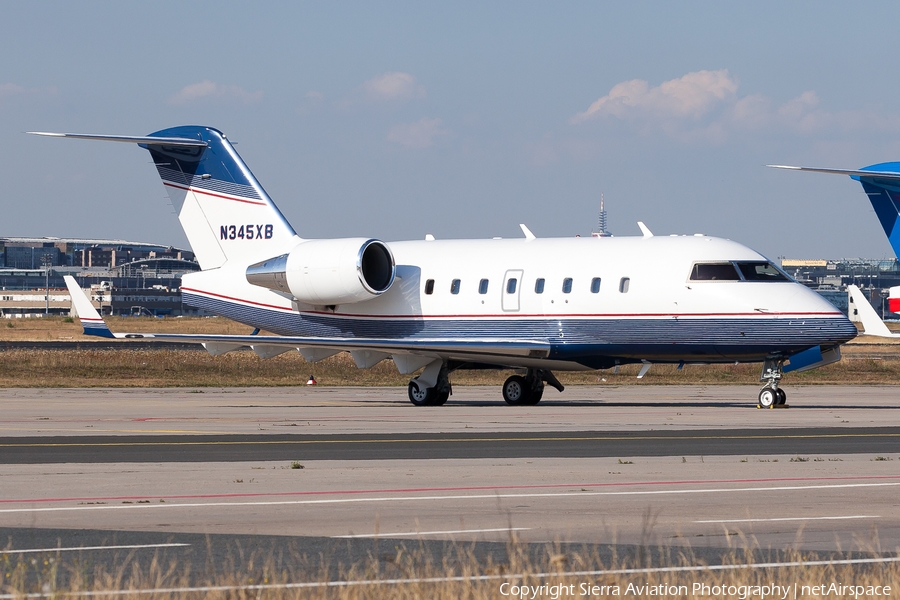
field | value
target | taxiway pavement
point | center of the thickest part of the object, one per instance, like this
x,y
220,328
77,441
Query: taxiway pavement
x,y
350,471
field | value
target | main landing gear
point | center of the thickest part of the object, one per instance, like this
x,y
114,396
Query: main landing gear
x,y
771,395
432,387
528,390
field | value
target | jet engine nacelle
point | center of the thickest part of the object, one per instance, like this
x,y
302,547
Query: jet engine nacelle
x,y
329,272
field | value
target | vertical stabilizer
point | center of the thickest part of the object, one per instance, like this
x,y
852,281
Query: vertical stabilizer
x,y
225,212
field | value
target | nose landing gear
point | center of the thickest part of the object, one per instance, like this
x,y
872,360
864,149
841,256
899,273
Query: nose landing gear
x,y
771,395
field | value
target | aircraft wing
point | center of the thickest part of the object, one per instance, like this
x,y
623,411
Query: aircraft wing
x,y
314,348
872,325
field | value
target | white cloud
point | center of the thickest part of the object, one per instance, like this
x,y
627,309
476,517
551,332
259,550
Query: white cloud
x,y
691,96
10,90
393,86
704,107
209,89
417,135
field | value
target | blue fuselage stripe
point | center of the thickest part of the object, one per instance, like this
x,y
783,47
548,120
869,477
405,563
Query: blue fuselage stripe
x,y
704,339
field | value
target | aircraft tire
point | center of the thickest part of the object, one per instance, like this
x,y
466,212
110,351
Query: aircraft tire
x,y
516,391
440,398
536,396
767,397
782,397
421,396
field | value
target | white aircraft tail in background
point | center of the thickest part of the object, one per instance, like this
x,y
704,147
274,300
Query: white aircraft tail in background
x,y
872,324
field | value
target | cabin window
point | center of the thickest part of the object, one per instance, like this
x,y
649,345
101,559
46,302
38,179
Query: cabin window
x,y
539,286
511,285
454,286
429,287
483,286
624,283
567,285
715,272
595,285
761,271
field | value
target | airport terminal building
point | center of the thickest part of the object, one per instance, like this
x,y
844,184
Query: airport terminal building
x,y
135,278
830,279
125,278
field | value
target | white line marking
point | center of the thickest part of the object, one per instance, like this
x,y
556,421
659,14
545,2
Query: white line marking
x,y
420,580
137,546
791,519
454,497
412,533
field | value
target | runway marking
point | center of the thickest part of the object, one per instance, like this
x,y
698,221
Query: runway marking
x,y
130,547
415,533
454,440
440,498
460,578
790,519
455,489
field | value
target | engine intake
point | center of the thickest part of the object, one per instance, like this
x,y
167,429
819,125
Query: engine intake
x,y
329,272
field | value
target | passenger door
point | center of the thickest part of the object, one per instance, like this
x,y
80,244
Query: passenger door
x,y
512,286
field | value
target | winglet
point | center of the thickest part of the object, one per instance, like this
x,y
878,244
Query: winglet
x,y
527,232
645,230
872,325
91,320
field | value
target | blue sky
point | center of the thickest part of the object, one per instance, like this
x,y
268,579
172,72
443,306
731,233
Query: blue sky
x,y
394,120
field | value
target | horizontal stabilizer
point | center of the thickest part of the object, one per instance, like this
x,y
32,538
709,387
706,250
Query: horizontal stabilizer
x,y
133,139
850,172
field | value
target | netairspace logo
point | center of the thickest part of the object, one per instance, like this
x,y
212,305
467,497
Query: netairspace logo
x,y
700,590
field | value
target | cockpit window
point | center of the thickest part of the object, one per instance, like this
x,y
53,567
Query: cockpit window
x,y
761,271
714,272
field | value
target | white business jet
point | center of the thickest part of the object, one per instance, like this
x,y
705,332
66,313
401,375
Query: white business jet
x,y
530,304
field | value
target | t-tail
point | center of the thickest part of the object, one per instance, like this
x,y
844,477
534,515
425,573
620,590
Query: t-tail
x,y
224,211
881,184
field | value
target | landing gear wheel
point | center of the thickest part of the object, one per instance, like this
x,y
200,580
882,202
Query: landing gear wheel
x,y
782,397
422,396
440,398
536,395
767,397
516,391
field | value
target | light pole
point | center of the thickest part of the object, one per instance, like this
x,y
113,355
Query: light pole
x,y
47,260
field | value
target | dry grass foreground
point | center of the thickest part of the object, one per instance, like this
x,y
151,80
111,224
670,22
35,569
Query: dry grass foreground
x,y
411,572
865,362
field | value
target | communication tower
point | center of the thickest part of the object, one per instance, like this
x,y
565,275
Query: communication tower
x,y
601,222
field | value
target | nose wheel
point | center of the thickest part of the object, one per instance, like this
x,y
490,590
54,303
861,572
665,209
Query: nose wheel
x,y
771,396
